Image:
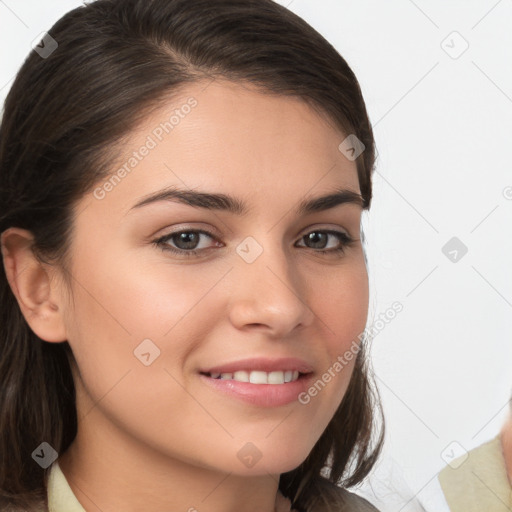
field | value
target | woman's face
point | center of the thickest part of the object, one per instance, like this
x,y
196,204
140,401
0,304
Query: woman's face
x,y
150,328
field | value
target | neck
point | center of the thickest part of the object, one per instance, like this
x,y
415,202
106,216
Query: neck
x,y
114,473
506,444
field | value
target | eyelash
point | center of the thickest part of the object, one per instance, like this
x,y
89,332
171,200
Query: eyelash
x,y
346,242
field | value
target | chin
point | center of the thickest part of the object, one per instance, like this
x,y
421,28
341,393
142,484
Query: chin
x,y
269,459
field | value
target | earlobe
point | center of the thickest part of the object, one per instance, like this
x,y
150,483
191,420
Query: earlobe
x,y
31,283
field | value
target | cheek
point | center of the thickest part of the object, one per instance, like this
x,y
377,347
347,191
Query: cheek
x,y
343,311
342,307
127,315
116,309
120,303
120,298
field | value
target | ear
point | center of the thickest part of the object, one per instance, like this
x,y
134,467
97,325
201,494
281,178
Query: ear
x,y
33,285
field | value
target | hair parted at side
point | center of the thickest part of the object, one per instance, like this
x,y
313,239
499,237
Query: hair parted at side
x,y
64,118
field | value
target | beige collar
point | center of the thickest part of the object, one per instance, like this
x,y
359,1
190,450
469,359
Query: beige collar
x,y
60,495
477,481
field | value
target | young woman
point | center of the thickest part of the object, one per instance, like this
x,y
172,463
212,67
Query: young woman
x,y
184,290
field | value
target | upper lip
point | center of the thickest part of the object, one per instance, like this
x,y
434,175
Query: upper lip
x,y
262,364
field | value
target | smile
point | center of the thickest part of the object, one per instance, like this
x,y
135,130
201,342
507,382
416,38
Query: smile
x,y
258,377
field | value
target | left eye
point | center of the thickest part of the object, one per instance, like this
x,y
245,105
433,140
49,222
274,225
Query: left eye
x,y
187,239
343,240
185,242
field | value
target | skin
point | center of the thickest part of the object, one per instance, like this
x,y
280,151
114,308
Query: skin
x,y
506,445
155,437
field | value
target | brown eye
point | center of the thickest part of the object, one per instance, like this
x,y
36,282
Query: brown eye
x,y
318,241
185,242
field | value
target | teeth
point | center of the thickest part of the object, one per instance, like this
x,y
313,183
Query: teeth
x,y
276,378
241,376
259,377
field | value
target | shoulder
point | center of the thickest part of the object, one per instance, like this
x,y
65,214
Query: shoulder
x,y
357,503
487,456
337,499
477,480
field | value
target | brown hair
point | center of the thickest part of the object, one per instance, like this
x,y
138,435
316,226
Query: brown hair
x,y
117,60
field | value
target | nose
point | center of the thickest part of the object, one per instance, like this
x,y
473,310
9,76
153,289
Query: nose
x,y
269,293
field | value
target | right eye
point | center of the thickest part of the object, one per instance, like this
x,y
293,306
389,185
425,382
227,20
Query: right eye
x,y
187,239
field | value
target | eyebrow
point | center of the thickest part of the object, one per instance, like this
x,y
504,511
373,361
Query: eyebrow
x,y
223,202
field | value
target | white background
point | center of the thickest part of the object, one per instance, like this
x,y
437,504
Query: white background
x,y
443,129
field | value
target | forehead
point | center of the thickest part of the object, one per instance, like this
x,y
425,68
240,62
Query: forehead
x,y
232,137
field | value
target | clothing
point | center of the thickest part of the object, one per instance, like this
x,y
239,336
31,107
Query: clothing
x,y
480,482
355,503
60,495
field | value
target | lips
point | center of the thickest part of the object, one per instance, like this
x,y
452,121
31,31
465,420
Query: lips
x,y
260,395
262,382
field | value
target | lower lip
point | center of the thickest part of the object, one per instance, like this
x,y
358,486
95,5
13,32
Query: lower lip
x,y
263,395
